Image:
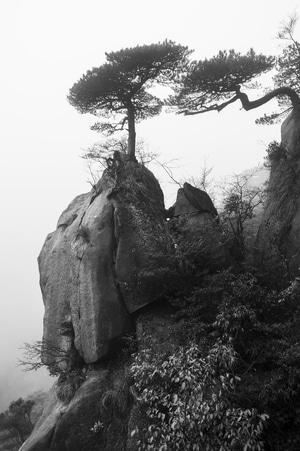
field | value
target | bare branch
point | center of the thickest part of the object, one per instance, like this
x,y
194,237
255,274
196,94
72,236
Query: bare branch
x,y
167,169
33,356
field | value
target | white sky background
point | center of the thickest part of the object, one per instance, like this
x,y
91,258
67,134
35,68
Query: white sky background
x,y
46,46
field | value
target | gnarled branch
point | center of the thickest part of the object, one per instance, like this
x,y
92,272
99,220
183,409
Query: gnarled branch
x,y
248,104
283,91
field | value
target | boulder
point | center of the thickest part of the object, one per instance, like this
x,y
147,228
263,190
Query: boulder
x,y
105,260
193,200
196,230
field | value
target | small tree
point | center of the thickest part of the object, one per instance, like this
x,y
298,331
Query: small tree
x,y
204,181
287,68
100,154
33,354
17,419
211,85
119,89
241,200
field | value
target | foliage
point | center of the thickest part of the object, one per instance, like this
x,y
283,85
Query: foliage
x,y
196,251
188,399
119,89
68,383
98,426
287,68
275,151
240,204
17,419
248,321
118,399
264,325
213,80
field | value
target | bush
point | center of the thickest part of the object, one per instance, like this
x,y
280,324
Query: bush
x,y
68,383
189,402
275,151
264,325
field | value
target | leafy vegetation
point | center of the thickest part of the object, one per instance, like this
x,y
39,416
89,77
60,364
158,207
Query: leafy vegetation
x,y
210,81
212,85
287,69
275,151
233,381
16,424
189,401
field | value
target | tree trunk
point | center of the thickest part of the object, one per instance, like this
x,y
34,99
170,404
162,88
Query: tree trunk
x,y
131,133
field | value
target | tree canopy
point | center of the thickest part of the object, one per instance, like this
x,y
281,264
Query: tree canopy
x,y
211,85
119,89
17,418
287,69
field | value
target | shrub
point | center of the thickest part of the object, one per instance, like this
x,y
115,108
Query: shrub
x,y
189,402
68,383
276,151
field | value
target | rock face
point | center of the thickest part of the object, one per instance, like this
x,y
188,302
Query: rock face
x,y
195,222
93,420
279,234
102,413
105,272
103,262
193,200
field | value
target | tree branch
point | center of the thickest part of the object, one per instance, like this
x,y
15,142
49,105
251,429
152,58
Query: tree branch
x,y
248,104
283,91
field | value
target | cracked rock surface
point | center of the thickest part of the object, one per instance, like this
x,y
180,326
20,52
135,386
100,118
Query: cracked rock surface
x,y
104,261
278,237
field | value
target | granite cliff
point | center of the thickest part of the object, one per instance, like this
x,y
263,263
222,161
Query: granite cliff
x,y
101,263
277,243
105,273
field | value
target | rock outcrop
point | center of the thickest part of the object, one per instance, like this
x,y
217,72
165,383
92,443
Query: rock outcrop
x,y
195,224
193,200
102,412
92,420
104,261
279,233
105,272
